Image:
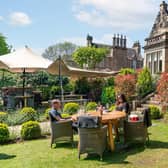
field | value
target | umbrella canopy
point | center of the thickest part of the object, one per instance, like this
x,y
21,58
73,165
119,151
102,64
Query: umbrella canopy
x,y
23,59
76,72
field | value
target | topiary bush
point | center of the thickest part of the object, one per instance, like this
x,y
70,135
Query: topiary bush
x,y
113,107
30,130
47,113
155,112
3,117
4,133
91,106
65,115
29,113
71,108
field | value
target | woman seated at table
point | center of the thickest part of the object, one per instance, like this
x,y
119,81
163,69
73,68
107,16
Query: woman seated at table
x,y
122,104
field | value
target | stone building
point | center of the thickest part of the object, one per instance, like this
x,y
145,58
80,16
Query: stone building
x,y
119,56
156,47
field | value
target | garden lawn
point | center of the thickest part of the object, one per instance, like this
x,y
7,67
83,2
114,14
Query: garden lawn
x,y
38,154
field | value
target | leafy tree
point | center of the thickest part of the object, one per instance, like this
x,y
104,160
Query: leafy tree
x,y
108,95
89,56
66,49
144,83
162,87
125,84
4,47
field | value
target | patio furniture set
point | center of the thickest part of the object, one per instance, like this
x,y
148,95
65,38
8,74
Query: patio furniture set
x,y
96,132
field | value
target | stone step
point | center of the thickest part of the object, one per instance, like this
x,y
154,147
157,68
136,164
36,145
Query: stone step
x,y
145,105
153,102
140,108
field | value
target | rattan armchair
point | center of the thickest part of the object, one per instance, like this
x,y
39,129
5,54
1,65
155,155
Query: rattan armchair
x,y
138,131
92,140
61,132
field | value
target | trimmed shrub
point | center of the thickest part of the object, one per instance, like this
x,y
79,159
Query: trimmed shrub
x,y
113,107
4,133
29,113
71,108
47,113
65,115
155,112
3,117
30,130
91,106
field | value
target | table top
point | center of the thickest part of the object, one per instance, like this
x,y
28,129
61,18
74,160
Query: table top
x,y
106,117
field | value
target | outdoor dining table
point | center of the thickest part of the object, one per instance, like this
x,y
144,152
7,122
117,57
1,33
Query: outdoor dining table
x,y
110,119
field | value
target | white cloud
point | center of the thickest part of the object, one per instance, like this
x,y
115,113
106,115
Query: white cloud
x,y
19,19
1,18
118,14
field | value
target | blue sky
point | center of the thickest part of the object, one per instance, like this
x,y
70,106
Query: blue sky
x,y
40,23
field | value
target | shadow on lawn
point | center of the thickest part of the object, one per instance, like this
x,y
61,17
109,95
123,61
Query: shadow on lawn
x,y
66,145
120,155
157,144
4,156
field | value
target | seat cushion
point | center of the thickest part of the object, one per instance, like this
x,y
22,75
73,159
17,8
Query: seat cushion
x,y
88,122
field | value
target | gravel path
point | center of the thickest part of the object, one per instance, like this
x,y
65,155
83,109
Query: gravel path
x,y
15,130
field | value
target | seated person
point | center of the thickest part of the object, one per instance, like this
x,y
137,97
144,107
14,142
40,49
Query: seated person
x,y
55,116
122,104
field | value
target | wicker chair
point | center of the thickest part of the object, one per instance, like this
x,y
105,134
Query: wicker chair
x,y
138,131
61,131
92,140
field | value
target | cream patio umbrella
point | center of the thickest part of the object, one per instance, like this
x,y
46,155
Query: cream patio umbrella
x,y
23,61
59,67
76,72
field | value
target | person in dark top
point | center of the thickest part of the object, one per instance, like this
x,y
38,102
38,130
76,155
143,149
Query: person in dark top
x,y
55,116
54,112
122,104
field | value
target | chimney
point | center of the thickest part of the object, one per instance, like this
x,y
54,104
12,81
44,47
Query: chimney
x,y
125,42
118,40
163,7
114,40
89,40
121,41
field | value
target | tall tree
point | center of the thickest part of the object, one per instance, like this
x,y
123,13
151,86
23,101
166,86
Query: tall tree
x,y
145,82
4,47
89,56
66,49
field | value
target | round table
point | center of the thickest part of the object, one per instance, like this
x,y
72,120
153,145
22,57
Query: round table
x,y
111,120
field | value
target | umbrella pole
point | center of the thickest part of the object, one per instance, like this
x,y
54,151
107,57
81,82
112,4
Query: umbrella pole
x,y
60,81
23,91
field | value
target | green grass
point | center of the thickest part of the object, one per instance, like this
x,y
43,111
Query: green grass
x,y
38,154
